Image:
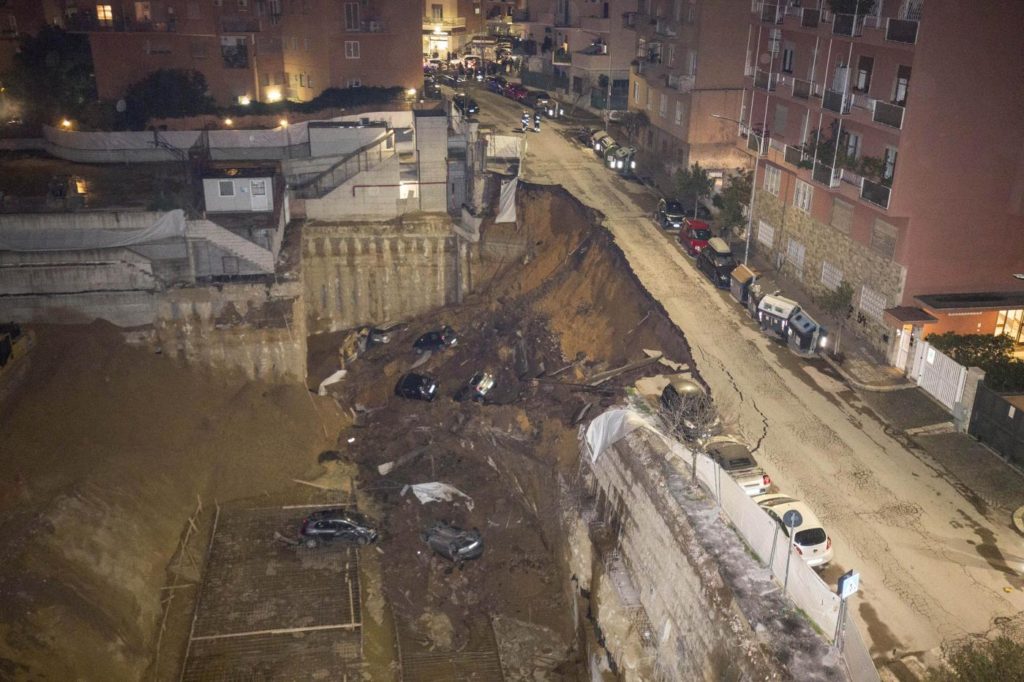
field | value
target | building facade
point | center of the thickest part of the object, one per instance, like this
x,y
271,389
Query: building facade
x,y
252,50
686,68
889,160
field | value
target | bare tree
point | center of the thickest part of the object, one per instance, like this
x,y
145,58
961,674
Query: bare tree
x,y
689,415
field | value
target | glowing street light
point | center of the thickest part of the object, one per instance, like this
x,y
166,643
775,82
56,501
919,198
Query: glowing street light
x,y
229,122
66,124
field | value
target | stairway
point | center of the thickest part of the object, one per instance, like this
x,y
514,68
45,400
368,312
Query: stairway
x,y
259,257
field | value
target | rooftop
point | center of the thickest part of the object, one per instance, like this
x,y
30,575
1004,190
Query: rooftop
x,y
982,300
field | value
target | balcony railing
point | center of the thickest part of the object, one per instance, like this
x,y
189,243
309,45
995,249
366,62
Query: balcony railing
x,y
888,114
847,25
794,155
758,143
444,24
802,89
836,101
826,175
875,192
765,80
810,18
239,25
771,13
901,31
561,56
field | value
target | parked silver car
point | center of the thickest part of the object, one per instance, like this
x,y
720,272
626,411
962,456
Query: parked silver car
x,y
736,460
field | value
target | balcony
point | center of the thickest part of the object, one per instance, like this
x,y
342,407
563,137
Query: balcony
x,y
680,82
795,155
629,19
802,89
771,14
847,25
836,101
810,18
888,114
825,175
561,57
239,25
664,28
765,80
875,192
757,143
447,25
901,31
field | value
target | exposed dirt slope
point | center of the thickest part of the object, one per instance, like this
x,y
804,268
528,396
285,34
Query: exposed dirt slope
x,y
104,451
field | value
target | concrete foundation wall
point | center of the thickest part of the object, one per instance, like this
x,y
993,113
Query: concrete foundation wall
x,y
363,273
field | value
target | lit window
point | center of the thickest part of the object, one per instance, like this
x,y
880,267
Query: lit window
x,y
105,14
351,49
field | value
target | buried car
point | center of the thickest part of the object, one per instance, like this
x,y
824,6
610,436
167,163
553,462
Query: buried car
x,y
437,339
735,458
454,543
809,537
327,525
416,387
478,386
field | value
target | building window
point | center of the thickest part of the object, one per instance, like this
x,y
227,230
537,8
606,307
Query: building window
x,y
437,12
302,80
641,48
864,67
227,188
671,58
788,57
309,84
243,5
1010,323
890,163
775,41
233,52
795,256
351,49
765,233
852,145
781,120
842,216
663,106
772,179
142,12
351,16
105,15
802,195
679,112
871,303
883,238
691,62
636,91
831,276
677,9
902,86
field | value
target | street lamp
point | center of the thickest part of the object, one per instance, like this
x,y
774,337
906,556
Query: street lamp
x,y
753,188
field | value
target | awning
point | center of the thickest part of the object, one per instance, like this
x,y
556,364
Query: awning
x,y
905,314
980,300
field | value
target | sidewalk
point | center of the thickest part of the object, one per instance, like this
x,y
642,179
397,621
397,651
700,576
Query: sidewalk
x,y
985,479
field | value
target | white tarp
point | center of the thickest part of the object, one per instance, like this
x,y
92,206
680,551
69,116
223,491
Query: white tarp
x,y
28,233
507,201
333,379
610,427
440,492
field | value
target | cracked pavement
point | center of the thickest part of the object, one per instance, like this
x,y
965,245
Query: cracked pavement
x,y
934,563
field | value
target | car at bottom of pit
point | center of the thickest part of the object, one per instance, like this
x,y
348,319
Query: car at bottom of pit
x,y
454,543
436,339
416,387
477,388
343,525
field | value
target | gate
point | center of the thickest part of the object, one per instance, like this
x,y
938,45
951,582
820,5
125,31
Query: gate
x,y
998,421
939,375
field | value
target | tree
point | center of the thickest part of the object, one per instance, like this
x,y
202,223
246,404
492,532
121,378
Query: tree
x,y
167,93
734,201
52,74
633,122
688,413
974,350
982,660
693,182
838,303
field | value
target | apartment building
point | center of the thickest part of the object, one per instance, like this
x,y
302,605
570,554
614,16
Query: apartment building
x,y
887,138
449,25
252,50
687,67
19,17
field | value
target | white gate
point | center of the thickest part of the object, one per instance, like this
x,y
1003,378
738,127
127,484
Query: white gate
x,y
939,375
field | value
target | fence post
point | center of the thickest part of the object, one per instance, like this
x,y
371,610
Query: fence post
x,y
965,406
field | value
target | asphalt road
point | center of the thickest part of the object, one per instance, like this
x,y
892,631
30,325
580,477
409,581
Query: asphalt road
x,y
934,564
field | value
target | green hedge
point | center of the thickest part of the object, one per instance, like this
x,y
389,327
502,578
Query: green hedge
x,y
1003,373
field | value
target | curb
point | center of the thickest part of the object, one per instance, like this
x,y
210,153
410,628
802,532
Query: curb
x,y
877,388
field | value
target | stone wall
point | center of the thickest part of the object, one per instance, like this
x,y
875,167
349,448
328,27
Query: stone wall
x,y
375,273
859,264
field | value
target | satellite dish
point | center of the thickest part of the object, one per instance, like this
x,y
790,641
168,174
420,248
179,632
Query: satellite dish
x,y
121,106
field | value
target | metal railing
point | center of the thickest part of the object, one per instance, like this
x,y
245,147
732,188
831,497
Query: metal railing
x,y
875,192
847,25
444,24
795,155
825,175
771,13
765,80
758,143
837,101
810,18
317,185
802,89
888,114
901,31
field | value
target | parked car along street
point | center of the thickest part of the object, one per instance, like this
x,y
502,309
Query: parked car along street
x,y
716,262
694,236
810,539
669,214
416,387
466,105
339,524
735,458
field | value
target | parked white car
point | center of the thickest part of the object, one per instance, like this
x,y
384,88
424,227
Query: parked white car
x,y
810,538
735,458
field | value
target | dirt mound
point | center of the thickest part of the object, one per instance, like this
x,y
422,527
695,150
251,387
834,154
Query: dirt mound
x,y
105,450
